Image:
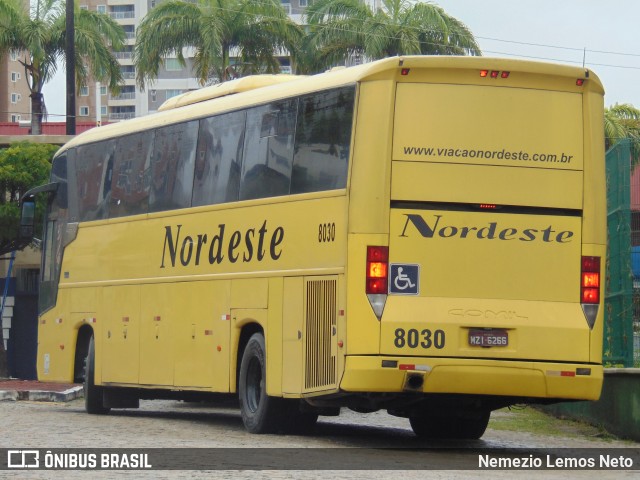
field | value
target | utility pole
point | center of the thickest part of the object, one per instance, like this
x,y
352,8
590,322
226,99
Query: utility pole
x,y
70,54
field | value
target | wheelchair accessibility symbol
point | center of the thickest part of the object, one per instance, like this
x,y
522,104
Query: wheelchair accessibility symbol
x,y
404,279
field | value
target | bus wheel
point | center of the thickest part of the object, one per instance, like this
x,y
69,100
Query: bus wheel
x,y
260,412
93,398
451,425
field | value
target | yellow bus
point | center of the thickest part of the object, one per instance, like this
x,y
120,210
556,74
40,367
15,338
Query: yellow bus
x,y
422,235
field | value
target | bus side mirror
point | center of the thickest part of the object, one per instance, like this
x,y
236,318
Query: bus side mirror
x,y
27,218
28,215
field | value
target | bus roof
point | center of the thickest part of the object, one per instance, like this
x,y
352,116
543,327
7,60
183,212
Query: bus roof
x,y
231,87
249,91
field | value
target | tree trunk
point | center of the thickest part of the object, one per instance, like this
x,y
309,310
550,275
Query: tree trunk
x,y
37,110
70,60
225,63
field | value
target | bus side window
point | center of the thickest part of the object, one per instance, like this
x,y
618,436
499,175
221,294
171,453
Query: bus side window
x,y
219,159
93,179
268,150
323,136
130,184
172,167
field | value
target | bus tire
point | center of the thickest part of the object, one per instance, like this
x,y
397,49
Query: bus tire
x,y
93,395
260,412
451,425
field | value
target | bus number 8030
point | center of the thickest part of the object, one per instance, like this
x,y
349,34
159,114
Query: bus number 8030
x,y
413,338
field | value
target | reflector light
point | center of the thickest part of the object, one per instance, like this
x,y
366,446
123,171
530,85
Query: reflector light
x,y
580,82
488,206
377,270
406,367
494,73
405,71
561,373
484,73
590,280
505,74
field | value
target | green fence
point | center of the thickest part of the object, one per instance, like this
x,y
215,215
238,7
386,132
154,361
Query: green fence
x,y
623,212
618,409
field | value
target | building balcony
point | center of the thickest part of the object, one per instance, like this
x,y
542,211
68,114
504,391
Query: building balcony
x,y
122,15
124,96
116,117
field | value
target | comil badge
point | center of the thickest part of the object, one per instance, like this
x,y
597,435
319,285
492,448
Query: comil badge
x,y
404,279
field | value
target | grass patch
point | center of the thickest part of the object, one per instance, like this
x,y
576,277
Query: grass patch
x,y
529,419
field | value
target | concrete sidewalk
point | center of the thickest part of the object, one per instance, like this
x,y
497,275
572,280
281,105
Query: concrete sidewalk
x,y
32,390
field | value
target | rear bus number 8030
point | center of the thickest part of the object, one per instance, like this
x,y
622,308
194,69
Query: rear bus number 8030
x,y
413,338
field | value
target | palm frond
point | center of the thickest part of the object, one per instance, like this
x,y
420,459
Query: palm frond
x,y
623,122
398,27
166,30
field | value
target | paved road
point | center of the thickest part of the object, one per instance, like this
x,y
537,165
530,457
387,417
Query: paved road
x,y
166,424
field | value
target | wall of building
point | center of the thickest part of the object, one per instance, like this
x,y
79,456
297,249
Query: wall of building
x,y
15,103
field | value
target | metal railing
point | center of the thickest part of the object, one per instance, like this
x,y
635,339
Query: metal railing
x,y
124,96
121,116
122,15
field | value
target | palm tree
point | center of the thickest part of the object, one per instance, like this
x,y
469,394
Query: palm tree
x,y
40,37
252,30
343,28
620,122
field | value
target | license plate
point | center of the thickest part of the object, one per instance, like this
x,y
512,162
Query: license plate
x,y
488,338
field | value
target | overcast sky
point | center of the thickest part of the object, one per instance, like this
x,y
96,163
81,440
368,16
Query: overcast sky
x,y
567,27
516,28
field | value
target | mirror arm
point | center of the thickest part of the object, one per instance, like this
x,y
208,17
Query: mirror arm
x,y
49,187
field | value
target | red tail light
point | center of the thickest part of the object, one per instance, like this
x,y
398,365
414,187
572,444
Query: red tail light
x,y
377,270
590,280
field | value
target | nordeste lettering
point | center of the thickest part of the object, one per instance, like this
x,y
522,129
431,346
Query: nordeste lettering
x,y
437,227
185,249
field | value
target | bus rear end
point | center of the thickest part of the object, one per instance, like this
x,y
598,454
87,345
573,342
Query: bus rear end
x,y
488,288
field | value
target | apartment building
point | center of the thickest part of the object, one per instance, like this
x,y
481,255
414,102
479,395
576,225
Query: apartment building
x,y
173,78
15,103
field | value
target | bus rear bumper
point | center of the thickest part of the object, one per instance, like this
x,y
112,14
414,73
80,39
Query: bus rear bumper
x,y
472,376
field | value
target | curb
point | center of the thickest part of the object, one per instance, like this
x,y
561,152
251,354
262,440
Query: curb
x,y
41,395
